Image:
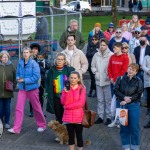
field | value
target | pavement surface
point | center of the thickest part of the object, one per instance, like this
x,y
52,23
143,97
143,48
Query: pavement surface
x,y
102,137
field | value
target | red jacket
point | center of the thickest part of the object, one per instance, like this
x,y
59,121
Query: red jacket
x,y
73,102
117,66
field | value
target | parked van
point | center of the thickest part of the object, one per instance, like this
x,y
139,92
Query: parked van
x,y
72,6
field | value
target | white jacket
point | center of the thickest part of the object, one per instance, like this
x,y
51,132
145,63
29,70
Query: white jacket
x,y
79,60
99,67
146,68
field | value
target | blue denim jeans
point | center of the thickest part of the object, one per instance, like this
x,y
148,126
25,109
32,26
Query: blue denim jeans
x,y
5,110
130,135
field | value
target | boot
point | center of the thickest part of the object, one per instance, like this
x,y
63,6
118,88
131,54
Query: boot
x,y
108,121
90,93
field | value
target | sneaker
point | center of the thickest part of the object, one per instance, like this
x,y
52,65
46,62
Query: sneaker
x,y
7,126
112,125
11,131
57,139
108,121
99,120
40,129
31,114
147,125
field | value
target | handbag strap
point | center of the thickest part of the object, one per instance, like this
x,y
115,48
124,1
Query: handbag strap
x,y
4,74
85,107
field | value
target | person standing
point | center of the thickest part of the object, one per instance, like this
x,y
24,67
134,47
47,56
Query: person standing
x,y
72,30
75,57
125,50
55,83
44,66
42,27
140,52
118,65
7,72
130,5
134,42
146,69
128,90
27,76
110,31
117,38
73,101
99,68
91,50
96,31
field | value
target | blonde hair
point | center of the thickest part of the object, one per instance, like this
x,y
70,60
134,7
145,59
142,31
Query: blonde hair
x,y
135,24
126,44
61,54
4,53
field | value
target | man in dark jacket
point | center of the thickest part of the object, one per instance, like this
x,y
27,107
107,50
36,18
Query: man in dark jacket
x,y
72,30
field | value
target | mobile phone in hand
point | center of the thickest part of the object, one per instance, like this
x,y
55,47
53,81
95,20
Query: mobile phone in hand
x,y
67,85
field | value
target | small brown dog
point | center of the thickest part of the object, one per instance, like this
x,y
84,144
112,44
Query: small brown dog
x,y
60,131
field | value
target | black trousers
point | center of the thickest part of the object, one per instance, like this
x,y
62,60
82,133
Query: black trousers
x,y
75,129
41,92
93,85
148,97
59,110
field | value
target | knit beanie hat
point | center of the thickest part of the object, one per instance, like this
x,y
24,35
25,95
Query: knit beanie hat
x,y
98,25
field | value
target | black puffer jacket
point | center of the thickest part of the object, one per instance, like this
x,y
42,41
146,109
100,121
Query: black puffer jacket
x,y
91,50
126,87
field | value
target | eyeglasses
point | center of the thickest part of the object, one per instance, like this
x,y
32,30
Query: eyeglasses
x,y
118,32
125,47
59,59
94,39
136,32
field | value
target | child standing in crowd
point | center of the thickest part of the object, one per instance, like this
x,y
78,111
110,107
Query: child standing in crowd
x,y
91,50
28,74
73,101
117,66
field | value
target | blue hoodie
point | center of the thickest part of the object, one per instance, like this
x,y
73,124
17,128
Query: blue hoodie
x,y
30,74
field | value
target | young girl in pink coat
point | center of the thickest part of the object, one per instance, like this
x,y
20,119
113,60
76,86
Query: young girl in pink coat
x,y
73,101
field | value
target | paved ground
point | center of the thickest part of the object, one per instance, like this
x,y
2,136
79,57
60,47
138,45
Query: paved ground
x,y
102,137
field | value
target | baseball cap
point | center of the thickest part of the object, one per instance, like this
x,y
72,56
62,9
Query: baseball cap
x,y
138,29
147,21
111,25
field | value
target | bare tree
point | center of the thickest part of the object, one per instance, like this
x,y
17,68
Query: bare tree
x,y
114,12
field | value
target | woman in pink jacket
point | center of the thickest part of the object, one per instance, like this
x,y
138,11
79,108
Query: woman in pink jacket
x,y
73,101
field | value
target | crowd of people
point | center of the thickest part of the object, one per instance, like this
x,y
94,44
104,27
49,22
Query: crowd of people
x,y
118,61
